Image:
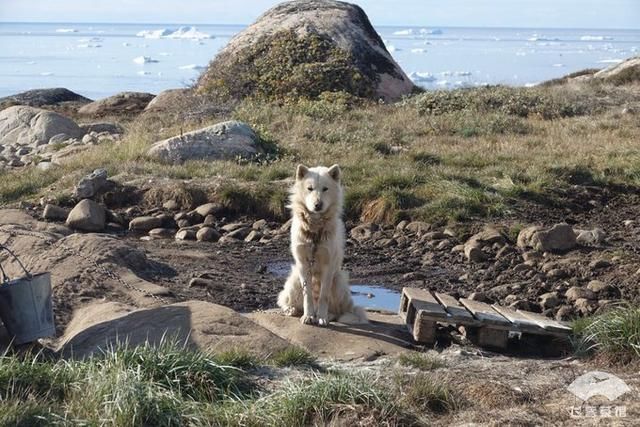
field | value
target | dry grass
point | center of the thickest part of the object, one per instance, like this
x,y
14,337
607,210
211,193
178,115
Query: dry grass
x,y
473,158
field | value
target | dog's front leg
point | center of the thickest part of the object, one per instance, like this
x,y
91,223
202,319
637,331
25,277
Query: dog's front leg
x,y
309,311
323,302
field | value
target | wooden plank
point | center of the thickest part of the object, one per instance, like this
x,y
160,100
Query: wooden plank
x,y
457,310
484,313
423,301
523,323
546,323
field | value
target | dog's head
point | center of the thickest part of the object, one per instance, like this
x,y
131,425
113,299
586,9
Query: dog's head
x,y
318,189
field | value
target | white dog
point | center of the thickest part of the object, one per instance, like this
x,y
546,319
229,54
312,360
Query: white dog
x,y
317,288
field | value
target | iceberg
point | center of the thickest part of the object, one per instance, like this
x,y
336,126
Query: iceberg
x,y
419,77
611,61
66,30
403,32
418,50
143,60
433,32
181,33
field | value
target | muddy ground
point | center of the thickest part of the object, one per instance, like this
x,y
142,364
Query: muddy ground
x,y
248,276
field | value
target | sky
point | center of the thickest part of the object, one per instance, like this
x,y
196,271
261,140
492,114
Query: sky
x,y
619,14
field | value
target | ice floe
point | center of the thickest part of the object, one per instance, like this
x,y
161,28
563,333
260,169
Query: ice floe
x,y
611,61
433,32
143,73
46,73
144,60
181,33
66,30
192,67
418,50
595,38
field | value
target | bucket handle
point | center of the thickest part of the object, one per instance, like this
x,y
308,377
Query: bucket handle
x,y
5,278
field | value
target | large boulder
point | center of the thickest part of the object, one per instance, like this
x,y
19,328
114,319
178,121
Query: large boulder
x,y
22,125
223,141
121,104
44,97
304,48
558,239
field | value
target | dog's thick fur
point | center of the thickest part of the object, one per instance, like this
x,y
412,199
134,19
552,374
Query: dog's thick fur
x,y
317,288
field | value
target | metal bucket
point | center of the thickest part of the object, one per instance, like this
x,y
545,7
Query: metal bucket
x,y
25,305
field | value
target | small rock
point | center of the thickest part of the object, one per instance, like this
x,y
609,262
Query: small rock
x,y
479,296
549,300
564,313
575,292
162,233
584,306
457,248
418,227
145,223
207,234
402,225
91,184
599,264
591,237
253,236
433,235
557,239
87,215
385,243
171,205
209,209
558,273
363,232
474,253
602,289
209,220
55,213
260,224
520,268
186,235
234,226
239,233
629,223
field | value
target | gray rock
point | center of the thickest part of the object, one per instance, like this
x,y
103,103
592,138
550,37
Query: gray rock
x,y
584,306
239,234
186,234
207,234
260,224
549,300
45,97
489,236
234,226
575,292
557,239
565,313
145,223
253,236
417,227
55,213
363,232
22,125
479,296
162,233
223,141
100,127
124,103
591,237
598,264
91,184
343,28
473,253
209,209
602,289
87,215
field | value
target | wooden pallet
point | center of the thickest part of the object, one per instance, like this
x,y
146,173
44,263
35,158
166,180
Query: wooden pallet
x,y
484,324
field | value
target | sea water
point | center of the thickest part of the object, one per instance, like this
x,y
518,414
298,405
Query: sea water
x,y
98,60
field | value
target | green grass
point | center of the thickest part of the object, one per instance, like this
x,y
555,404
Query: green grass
x,y
613,336
293,356
438,156
420,361
425,393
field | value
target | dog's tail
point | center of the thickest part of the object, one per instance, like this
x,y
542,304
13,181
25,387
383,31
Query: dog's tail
x,y
355,315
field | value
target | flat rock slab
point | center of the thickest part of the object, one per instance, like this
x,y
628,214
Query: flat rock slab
x,y
200,324
384,335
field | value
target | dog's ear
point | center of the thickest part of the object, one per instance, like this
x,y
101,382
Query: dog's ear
x,y
334,172
301,172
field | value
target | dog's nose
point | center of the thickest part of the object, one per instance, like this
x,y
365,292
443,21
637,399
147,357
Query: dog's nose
x,y
318,206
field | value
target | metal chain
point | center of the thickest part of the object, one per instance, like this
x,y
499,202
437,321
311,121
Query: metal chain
x,y
100,268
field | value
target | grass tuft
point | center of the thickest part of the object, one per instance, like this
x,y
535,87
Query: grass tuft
x,y
420,361
293,356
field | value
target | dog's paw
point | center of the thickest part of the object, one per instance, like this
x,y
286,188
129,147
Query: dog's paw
x,y
308,320
323,321
291,311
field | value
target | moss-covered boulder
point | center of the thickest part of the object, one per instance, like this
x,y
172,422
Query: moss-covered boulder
x,y
302,49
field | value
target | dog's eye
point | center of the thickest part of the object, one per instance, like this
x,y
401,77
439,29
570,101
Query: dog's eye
x,y
310,188
324,189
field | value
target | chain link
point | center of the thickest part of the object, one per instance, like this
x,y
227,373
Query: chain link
x,y
110,274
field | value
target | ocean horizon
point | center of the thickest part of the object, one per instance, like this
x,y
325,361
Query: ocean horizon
x,y
101,59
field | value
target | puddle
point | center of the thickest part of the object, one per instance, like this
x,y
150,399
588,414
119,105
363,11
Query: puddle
x,y
377,297
368,296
